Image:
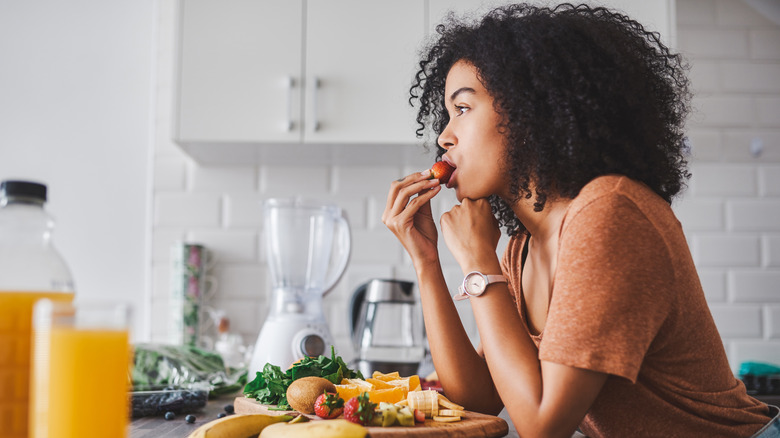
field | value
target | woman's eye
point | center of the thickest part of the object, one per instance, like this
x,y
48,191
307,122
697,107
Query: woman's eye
x,y
460,109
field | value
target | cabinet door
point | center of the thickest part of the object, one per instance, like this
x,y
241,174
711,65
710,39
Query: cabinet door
x,y
240,71
361,56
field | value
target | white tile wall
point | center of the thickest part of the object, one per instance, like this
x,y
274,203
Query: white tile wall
x,y
731,212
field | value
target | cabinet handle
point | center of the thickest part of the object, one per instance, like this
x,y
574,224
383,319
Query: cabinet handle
x,y
315,90
289,83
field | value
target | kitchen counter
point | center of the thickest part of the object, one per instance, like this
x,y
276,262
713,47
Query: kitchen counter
x,y
159,427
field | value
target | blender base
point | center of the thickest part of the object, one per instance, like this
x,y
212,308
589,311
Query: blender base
x,y
284,341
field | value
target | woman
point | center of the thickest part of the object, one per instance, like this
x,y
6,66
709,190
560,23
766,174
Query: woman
x,y
565,127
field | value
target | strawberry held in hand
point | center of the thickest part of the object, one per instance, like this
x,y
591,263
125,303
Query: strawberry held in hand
x,y
442,171
328,405
359,409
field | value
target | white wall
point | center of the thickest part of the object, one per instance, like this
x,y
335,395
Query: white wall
x,y
76,114
731,212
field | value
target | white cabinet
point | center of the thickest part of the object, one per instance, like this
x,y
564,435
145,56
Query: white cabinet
x,y
239,71
271,72
364,56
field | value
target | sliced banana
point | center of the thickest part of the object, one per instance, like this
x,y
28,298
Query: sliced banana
x,y
441,419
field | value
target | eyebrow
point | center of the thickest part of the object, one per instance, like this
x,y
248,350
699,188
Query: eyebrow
x,y
462,90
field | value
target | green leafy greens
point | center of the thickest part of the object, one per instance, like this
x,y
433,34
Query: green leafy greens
x,y
270,386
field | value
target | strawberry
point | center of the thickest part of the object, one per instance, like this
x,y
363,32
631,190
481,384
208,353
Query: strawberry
x,y
419,416
359,409
328,405
442,171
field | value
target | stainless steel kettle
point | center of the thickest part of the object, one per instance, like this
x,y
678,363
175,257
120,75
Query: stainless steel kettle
x,y
387,327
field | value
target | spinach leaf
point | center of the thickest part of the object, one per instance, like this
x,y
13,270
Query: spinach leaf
x,y
270,386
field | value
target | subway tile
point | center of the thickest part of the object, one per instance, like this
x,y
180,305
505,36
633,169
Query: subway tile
x,y
739,13
243,314
243,210
753,214
247,281
161,319
353,207
772,322
161,281
764,44
713,43
770,251
738,321
695,12
754,286
163,239
187,209
726,250
378,246
705,144
760,351
169,174
713,282
365,180
722,111
356,275
221,179
229,246
768,110
700,214
305,181
704,76
769,181
752,77
723,180
738,146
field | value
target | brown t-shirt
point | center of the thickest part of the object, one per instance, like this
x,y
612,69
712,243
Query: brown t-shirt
x,y
627,301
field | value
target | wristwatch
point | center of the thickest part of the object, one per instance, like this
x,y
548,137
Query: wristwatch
x,y
475,283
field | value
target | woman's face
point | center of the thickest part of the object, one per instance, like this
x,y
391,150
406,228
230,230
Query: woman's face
x,y
472,139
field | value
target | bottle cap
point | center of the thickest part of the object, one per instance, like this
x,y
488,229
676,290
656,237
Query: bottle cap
x,y
29,190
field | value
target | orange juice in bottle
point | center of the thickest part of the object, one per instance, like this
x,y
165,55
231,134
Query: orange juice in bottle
x,y
30,269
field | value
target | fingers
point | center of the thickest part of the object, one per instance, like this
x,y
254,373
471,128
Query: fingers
x,y
402,190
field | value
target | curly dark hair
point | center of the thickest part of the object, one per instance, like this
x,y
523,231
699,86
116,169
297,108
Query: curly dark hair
x,y
583,92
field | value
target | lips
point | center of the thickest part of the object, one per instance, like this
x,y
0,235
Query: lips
x,y
451,182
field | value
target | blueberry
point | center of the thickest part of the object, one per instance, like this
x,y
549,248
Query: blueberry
x,y
229,409
170,415
189,419
221,415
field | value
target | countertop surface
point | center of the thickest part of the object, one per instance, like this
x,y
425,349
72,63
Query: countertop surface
x,y
159,427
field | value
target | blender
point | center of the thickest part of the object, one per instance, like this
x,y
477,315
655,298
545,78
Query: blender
x,y
307,246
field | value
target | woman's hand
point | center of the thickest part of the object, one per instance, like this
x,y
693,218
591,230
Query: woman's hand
x,y
408,215
471,233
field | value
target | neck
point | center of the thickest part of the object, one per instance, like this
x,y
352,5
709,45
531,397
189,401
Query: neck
x,y
542,225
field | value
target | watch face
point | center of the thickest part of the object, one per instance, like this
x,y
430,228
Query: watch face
x,y
475,284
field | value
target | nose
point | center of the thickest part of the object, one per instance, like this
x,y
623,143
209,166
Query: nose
x,y
447,138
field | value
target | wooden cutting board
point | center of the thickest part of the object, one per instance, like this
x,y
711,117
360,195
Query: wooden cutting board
x,y
472,424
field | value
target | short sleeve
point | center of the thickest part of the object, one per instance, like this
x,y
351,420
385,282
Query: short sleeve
x,y
611,292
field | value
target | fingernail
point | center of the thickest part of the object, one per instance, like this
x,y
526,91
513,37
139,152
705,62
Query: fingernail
x,y
425,172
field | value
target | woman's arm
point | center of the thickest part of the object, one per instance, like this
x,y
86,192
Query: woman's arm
x,y
543,399
462,372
